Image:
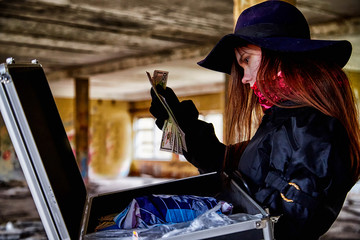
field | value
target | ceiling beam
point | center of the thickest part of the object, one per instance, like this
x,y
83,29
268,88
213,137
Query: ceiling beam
x,y
133,61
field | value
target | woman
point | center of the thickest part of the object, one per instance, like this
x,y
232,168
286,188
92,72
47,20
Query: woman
x,y
304,156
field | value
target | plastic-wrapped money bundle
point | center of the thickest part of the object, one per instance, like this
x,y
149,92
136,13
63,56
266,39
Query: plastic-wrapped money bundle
x,y
173,138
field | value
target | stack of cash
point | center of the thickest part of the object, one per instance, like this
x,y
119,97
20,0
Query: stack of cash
x,y
173,138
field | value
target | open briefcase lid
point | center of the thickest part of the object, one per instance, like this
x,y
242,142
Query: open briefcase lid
x,y
43,149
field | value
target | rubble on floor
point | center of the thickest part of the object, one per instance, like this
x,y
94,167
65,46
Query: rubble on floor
x,y
33,230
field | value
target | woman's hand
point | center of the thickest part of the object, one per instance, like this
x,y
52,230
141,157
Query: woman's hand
x,y
185,112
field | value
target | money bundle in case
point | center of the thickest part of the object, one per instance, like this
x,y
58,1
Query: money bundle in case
x,y
65,208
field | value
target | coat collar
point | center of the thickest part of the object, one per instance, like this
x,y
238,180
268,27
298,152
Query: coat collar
x,y
277,114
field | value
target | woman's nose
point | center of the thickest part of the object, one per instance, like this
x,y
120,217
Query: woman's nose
x,y
246,78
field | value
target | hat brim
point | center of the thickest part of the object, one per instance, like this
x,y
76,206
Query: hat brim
x,y
222,55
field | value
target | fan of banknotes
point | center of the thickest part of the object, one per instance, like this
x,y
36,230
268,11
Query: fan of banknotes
x,y
173,138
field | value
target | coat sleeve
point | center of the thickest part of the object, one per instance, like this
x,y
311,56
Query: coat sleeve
x,y
205,151
307,177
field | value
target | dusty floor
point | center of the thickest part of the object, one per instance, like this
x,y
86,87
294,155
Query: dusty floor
x,y
19,218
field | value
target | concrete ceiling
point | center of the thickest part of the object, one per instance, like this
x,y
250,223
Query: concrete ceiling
x,y
113,42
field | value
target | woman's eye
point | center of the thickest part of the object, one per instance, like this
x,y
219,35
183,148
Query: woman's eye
x,y
245,60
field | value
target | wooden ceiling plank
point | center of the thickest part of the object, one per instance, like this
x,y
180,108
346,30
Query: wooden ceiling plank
x,y
77,16
349,26
59,32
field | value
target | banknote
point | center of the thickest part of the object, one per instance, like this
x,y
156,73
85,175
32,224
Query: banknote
x,y
167,141
160,78
173,138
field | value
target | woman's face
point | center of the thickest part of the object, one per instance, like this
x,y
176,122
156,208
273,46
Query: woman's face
x,y
249,58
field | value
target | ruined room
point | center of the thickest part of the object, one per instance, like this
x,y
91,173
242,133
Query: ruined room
x,y
95,55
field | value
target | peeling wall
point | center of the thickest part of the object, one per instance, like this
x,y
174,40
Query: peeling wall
x,y
109,135
110,138
9,165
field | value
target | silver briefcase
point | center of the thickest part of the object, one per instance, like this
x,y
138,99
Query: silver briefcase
x,y
46,158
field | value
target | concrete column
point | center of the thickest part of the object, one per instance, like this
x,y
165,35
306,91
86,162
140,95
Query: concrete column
x,y
82,125
293,2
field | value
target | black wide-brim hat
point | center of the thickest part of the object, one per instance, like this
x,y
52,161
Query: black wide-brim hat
x,y
276,26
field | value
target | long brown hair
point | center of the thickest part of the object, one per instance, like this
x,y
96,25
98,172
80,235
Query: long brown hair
x,y
311,81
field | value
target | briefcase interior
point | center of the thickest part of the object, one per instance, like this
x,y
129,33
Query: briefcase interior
x,y
216,185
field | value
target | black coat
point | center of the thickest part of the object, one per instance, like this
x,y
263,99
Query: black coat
x,y
300,146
